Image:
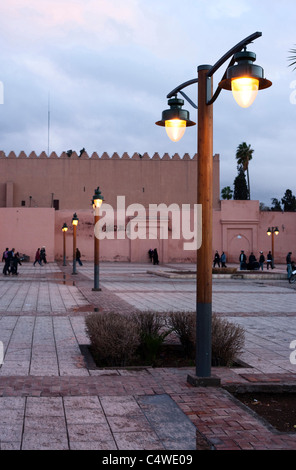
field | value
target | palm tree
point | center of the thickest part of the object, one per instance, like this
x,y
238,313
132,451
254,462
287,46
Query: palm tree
x,y
244,154
227,193
292,58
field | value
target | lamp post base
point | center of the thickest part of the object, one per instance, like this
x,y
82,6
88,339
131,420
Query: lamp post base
x,y
96,288
212,381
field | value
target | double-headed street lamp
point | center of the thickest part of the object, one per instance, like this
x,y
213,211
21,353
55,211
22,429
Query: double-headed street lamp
x,y
244,78
74,223
97,201
270,232
64,229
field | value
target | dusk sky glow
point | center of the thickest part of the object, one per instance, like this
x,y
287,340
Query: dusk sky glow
x,y
103,68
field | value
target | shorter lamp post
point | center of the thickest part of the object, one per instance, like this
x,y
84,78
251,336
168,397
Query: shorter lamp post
x,y
270,232
64,229
74,223
97,201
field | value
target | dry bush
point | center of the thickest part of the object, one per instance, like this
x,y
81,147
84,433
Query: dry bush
x,y
184,325
227,338
114,338
227,341
152,331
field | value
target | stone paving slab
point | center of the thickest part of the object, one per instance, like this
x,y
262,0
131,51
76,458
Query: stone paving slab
x,y
49,399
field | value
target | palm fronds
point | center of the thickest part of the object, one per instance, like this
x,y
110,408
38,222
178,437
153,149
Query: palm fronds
x,y
292,58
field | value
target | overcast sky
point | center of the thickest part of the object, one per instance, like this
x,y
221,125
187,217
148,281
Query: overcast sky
x,y
103,69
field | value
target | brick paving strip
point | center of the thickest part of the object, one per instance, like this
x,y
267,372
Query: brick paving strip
x,y
55,402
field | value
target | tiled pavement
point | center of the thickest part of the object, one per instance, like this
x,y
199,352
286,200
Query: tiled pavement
x,y
50,399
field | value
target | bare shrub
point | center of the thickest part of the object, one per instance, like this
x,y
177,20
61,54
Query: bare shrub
x,y
227,338
184,325
114,338
227,341
152,330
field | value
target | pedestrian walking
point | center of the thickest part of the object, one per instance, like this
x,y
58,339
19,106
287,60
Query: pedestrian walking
x,y
43,255
37,257
216,259
223,260
261,260
78,256
15,261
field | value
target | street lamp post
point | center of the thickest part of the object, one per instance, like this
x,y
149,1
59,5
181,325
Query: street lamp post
x,y
244,79
97,201
270,232
64,229
74,223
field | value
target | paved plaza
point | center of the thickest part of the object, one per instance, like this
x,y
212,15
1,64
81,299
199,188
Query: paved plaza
x,y
51,399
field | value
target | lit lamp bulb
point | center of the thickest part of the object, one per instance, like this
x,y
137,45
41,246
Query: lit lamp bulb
x,y
97,203
175,129
244,90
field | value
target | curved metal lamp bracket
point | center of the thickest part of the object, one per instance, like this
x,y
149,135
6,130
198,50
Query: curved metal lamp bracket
x,y
211,99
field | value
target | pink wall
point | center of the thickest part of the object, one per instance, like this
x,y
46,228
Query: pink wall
x,y
238,225
241,226
27,229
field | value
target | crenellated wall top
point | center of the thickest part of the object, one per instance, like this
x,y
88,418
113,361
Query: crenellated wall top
x,y
73,155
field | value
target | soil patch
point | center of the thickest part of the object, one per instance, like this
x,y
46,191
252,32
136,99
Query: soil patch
x,y
278,409
170,355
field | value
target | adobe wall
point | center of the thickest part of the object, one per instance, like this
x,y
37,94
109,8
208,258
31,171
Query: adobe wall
x,y
37,181
115,247
28,229
240,225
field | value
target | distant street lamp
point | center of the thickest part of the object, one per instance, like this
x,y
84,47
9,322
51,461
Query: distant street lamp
x,y
270,232
244,79
74,223
64,229
97,201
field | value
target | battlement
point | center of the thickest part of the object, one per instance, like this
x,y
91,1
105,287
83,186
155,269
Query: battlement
x,y
73,155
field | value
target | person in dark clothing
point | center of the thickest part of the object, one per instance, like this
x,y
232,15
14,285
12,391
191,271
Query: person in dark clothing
x,y
289,264
216,259
37,257
78,256
14,263
6,262
261,260
43,255
223,260
150,254
155,257
269,261
242,260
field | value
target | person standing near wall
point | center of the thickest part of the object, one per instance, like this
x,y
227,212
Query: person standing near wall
x,y
269,261
289,264
242,260
261,260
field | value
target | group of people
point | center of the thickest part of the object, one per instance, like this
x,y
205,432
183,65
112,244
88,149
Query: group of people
x,y
11,260
250,263
153,256
253,263
219,260
40,256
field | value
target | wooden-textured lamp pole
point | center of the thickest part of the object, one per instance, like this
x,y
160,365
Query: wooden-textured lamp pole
x,y
74,223
244,79
97,201
64,229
